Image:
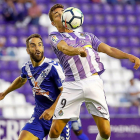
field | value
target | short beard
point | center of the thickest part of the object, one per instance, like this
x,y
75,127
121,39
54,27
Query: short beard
x,y
36,59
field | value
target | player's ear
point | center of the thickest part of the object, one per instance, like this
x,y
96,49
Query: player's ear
x,y
53,23
27,49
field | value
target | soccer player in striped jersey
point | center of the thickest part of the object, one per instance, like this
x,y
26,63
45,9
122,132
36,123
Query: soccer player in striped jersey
x,y
77,126
78,54
45,77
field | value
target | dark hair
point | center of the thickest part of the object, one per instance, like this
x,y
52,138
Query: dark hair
x,y
32,36
53,8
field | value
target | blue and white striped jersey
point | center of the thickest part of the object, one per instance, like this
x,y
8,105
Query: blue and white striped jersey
x,y
45,80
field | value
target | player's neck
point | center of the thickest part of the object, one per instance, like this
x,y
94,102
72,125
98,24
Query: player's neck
x,y
64,30
35,64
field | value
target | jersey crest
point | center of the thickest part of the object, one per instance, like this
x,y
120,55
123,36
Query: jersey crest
x,y
43,74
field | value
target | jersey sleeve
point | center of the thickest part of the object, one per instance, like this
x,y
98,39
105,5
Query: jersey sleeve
x,y
23,72
59,69
61,73
95,42
55,38
56,77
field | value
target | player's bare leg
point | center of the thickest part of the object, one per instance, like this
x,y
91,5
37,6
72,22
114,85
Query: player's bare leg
x,y
77,133
103,127
26,135
56,129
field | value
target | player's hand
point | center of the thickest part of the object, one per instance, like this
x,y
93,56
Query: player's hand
x,y
83,52
47,114
135,60
2,95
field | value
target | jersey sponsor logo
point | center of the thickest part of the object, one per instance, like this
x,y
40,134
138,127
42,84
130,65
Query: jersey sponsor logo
x,y
36,84
60,113
54,38
38,91
41,93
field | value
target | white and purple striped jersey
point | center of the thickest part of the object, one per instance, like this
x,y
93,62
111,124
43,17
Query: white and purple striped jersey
x,y
77,67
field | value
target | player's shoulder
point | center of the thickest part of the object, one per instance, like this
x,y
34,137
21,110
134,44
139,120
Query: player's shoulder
x,y
55,64
50,61
47,60
57,68
84,34
26,64
51,64
54,37
87,33
54,33
90,35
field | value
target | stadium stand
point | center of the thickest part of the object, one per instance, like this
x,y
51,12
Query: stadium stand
x,y
116,25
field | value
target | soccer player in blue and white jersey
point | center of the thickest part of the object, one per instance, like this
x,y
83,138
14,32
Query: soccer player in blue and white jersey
x,y
78,54
45,77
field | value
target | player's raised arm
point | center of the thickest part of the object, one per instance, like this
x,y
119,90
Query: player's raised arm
x,y
116,53
17,83
69,50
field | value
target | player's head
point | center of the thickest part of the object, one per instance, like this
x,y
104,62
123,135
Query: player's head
x,y
55,14
35,47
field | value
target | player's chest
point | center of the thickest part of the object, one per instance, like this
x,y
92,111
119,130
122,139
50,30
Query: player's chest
x,y
79,40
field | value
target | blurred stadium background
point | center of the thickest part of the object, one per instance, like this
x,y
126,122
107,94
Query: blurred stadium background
x,y
115,22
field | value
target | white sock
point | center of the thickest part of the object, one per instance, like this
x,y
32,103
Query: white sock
x,y
53,138
100,138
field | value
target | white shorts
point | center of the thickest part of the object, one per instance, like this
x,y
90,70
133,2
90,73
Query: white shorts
x,y
90,91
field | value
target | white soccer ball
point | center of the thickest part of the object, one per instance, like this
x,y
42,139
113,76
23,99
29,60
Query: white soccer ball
x,y
72,18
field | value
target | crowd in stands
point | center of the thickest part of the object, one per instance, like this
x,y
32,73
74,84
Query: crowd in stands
x,y
24,12
21,12
117,1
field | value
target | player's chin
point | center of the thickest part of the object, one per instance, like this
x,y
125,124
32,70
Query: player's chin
x,y
38,59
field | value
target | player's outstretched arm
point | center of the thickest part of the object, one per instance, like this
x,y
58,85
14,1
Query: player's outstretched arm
x,y
17,83
116,53
48,113
71,51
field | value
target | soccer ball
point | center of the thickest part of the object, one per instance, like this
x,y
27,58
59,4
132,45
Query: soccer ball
x,y
72,18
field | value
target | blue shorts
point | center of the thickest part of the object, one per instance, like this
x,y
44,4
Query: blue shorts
x,y
41,128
